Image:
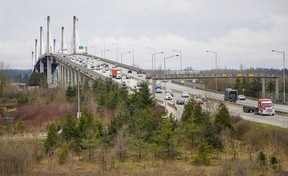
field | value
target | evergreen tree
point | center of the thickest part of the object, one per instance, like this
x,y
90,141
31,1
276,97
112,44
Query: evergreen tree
x,y
52,139
188,109
143,98
223,119
37,79
71,93
70,132
166,138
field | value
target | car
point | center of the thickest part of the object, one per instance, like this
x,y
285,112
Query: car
x,y
158,87
185,95
128,76
199,101
159,90
170,92
181,101
202,97
129,71
168,97
241,97
139,83
123,82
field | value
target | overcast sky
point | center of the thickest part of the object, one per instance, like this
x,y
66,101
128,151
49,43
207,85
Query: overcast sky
x,y
240,31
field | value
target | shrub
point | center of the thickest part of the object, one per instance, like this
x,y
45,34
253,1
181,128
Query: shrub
x,y
63,154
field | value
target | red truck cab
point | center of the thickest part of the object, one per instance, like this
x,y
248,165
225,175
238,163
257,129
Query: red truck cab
x,y
265,107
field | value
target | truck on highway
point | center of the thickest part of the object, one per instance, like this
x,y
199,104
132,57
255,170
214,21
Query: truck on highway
x,y
265,107
115,71
231,95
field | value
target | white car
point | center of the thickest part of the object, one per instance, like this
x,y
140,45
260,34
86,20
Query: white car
x,y
184,95
168,97
241,97
170,92
158,90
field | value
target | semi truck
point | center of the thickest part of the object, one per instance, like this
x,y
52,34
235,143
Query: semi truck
x,y
115,71
231,95
265,107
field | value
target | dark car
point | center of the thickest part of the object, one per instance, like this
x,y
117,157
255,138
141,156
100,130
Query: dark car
x,y
180,101
129,71
157,87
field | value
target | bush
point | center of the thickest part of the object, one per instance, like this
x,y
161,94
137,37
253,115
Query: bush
x,y
63,154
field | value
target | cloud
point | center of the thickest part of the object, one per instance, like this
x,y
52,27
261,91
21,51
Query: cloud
x,y
242,32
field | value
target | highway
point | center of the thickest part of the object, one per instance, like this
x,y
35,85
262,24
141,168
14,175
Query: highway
x,y
211,105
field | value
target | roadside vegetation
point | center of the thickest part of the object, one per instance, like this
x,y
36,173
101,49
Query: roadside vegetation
x,y
120,133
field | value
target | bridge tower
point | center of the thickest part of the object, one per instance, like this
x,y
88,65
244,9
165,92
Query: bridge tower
x,y
48,35
49,59
36,53
62,40
74,35
41,50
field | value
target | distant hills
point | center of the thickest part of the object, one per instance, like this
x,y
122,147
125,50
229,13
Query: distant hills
x,y
18,76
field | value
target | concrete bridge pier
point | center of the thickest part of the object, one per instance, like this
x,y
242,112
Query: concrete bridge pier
x,y
263,88
277,89
49,71
75,73
41,66
59,75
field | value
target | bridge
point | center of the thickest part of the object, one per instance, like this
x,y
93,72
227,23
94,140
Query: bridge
x,y
60,70
63,69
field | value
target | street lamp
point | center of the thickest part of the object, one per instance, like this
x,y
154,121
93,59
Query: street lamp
x,y
103,53
78,94
165,58
132,47
154,54
116,45
104,50
283,53
216,87
180,53
121,62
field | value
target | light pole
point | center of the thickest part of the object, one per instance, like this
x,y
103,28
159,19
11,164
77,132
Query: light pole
x,y
216,86
94,47
165,58
78,95
103,53
283,53
180,53
121,62
152,55
132,47
116,45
